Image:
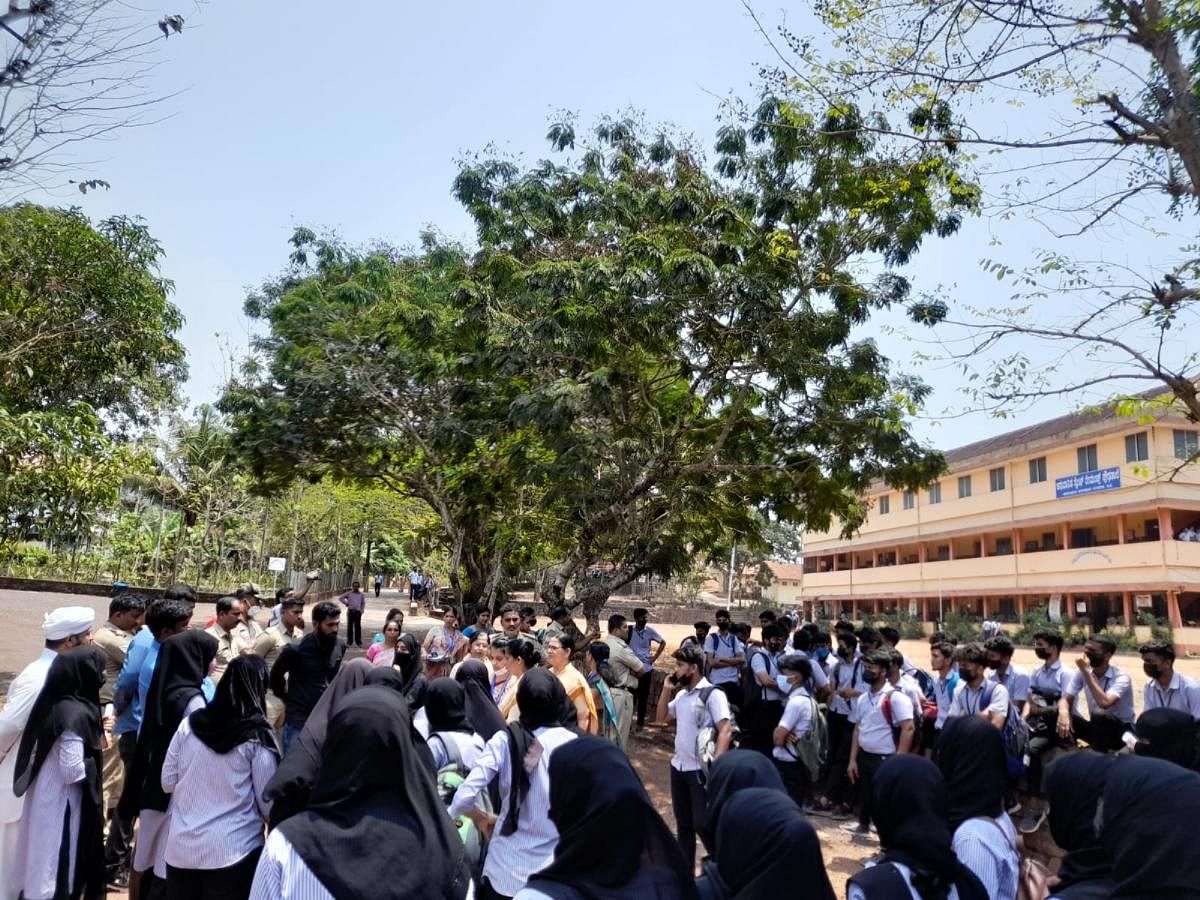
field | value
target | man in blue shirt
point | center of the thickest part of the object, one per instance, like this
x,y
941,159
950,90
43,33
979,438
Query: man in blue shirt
x,y
641,640
163,619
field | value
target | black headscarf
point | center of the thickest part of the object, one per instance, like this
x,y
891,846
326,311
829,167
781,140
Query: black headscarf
x,y
1073,786
908,805
446,706
1168,734
373,803
540,698
1150,807
183,662
765,844
70,702
289,787
482,711
733,771
238,712
970,753
413,682
612,844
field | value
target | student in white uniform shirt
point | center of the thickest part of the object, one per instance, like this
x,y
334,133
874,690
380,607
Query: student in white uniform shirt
x,y
846,684
1108,693
945,682
999,660
975,695
725,655
693,703
794,726
1047,683
1166,688
877,735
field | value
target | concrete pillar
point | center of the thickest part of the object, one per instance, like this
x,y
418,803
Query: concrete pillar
x,y
1120,528
1016,540
854,609
983,545
1173,609
1066,535
983,606
924,609
1021,605
899,555
951,543
1165,531
923,552
1127,607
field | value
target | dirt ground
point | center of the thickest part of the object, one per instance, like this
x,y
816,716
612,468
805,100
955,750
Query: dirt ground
x,y
20,640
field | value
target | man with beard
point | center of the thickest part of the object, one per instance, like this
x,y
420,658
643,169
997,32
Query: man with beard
x,y
303,671
289,631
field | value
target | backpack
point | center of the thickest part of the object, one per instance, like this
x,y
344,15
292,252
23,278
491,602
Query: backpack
x,y
1015,733
449,778
752,691
706,734
885,706
813,748
925,683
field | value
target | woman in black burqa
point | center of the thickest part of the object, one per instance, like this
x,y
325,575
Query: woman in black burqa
x,y
910,811
612,843
1148,811
68,705
765,849
288,791
374,803
482,711
1073,785
408,664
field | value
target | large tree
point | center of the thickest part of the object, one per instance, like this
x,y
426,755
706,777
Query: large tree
x,y
688,343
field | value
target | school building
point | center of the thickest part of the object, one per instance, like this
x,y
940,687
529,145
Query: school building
x,y
1089,514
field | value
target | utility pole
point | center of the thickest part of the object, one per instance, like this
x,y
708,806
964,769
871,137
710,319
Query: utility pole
x,y
732,562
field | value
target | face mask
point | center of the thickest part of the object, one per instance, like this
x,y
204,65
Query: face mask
x,y
784,683
822,653
683,680
1041,652
1095,659
1151,669
872,678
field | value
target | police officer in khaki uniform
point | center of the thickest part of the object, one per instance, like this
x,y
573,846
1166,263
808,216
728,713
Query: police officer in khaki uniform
x,y
626,668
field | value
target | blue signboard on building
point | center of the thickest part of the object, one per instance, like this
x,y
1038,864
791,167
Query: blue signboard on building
x,y
1087,482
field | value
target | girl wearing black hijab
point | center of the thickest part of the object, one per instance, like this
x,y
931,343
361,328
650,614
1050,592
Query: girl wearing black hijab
x,y
373,803
184,661
217,768
612,844
1073,785
288,790
910,812
1149,810
733,771
765,850
407,662
525,837
451,736
61,838
1168,734
482,711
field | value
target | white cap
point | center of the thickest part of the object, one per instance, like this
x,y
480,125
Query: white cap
x,y
61,623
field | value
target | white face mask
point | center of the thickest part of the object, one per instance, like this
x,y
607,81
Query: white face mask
x,y
785,683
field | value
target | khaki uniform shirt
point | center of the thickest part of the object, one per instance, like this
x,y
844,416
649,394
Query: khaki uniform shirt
x,y
273,640
624,662
114,642
229,646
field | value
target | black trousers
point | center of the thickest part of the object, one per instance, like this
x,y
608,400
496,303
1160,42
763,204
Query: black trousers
x,y
378,588
761,721
354,627
230,883
118,847
868,765
689,803
795,779
642,695
841,732
1102,733
732,690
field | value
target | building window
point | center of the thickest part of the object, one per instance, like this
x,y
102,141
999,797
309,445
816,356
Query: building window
x,y
935,492
885,505
996,479
1037,470
1137,447
909,500
1186,443
1087,459
964,486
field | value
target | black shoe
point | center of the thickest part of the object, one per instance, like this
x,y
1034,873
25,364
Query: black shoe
x,y
118,879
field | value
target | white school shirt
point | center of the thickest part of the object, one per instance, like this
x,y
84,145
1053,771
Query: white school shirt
x,y
797,718
968,702
941,688
724,648
512,858
854,892
1015,681
846,674
1050,679
1113,681
684,708
820,678
639,643
911,689
764,662
282,874
1183,693
469,747
215,817
874,732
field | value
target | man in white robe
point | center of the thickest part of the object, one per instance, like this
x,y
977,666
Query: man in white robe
x,y
63,628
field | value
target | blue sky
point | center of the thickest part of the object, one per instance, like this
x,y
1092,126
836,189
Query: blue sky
x,y
351,119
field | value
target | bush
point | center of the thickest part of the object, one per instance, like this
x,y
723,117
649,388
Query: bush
x,y
910,627
960,627
1160,629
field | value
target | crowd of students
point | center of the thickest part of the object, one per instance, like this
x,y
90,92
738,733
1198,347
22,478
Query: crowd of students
x,y
506,776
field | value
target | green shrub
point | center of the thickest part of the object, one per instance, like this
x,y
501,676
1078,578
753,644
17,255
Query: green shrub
x,y
960,627
910,627
1160,629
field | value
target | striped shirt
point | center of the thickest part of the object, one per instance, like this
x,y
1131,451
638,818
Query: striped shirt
x,y
988,847
282,874
512,858
217,808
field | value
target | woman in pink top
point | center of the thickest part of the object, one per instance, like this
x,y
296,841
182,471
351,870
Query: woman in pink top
x,y
381,655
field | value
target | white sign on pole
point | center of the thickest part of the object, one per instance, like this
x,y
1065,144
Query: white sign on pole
x,y
277,564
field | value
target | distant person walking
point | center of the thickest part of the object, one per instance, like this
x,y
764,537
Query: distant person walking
x,y
378,584
355,602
